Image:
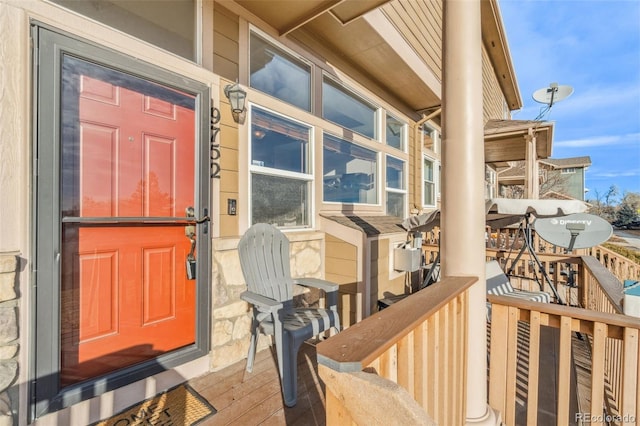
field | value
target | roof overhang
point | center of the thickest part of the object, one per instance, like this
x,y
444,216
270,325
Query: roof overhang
x,y
495,41
356,35
505,140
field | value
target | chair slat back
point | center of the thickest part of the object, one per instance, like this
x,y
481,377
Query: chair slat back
x,y
497,281
264,258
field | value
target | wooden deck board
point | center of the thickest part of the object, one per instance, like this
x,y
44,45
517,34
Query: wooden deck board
x,y
255,398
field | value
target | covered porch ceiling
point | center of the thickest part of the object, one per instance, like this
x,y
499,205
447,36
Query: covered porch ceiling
x,y
358,33
505,140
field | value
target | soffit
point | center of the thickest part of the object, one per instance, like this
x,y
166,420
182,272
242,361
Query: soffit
x,y
286,15
495,41
345,32
505,140
332,29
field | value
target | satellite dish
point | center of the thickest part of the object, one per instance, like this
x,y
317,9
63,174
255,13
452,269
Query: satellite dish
x,y
574,231
552,94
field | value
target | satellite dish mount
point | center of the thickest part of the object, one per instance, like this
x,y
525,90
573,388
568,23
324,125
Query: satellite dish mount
x,y
550,95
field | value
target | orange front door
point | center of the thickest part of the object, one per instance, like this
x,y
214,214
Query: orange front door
x,y
125,296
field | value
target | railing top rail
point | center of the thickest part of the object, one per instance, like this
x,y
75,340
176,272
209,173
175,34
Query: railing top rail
x,y
359,345
610,285
567,311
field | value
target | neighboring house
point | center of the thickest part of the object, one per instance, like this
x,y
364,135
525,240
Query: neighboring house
x,y
117,136
562,178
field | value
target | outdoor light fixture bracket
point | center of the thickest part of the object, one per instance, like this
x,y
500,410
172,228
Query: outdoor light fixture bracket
x,y
237,97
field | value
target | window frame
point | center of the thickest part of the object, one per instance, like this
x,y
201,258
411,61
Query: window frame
x,y
490,180
348,91
308,177
403,131
279,46
378,171
437,141
435,165
389,189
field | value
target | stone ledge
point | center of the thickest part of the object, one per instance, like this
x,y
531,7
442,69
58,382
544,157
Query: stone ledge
x,y
8,263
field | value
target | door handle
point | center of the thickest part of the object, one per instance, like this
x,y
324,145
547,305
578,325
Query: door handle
x,y
190,230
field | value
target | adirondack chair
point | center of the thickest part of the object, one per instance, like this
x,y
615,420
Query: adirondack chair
x,y
498,283
264,258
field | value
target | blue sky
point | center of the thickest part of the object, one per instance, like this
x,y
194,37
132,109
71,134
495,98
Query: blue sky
x,y
594,47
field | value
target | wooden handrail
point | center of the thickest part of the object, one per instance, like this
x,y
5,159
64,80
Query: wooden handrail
x,y
613,320
360,344
613,341
418,343
609,284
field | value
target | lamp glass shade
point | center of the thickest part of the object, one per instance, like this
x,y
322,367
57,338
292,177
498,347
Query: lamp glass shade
x,y
236,97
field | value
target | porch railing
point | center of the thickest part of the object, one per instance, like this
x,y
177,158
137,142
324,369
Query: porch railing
x,y
417,344
615,375
620,266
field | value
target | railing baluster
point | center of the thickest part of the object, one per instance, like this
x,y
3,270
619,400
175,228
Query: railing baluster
x,y
631,377
512,365
419,343
534,368
498,357
598,368
564,370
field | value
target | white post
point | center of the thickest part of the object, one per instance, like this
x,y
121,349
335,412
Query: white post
x,y
463,204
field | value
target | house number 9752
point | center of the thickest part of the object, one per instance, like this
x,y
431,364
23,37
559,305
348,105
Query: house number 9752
x,y
214,150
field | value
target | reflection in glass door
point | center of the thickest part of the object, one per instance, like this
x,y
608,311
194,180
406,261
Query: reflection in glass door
x,y
127,176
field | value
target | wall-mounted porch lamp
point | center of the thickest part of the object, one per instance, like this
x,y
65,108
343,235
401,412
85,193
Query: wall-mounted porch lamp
x,y
237,97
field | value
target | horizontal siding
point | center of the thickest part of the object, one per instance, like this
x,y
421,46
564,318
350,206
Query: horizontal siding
x,y
226,49
228,161
420,23
341,265
492,97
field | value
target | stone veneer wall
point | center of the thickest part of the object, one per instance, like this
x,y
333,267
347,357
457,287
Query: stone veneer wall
x,y
231,316
8,334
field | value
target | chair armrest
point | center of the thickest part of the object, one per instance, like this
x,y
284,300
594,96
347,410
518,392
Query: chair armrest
x,y
324,285
261,301
330,289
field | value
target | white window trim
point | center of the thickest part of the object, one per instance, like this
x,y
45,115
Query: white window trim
x,y
405,184
269,39
436,179
377,125
404,130
436,144
308,177
378,171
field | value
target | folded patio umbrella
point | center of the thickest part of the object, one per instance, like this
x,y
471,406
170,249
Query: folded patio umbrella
x,y
501,212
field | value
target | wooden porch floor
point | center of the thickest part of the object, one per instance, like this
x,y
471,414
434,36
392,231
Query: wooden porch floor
x,y
255,398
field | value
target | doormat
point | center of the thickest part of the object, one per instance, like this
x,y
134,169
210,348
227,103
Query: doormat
x,y
180,406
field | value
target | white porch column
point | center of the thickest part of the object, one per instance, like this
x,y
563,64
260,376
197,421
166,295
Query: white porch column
x,y
463,215
531,178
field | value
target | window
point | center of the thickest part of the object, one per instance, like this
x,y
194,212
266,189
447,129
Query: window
x,y
428,182
170,26
396,189
281,172
395,135
568,170
430,138
489,182
346,109
349,172
279,74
